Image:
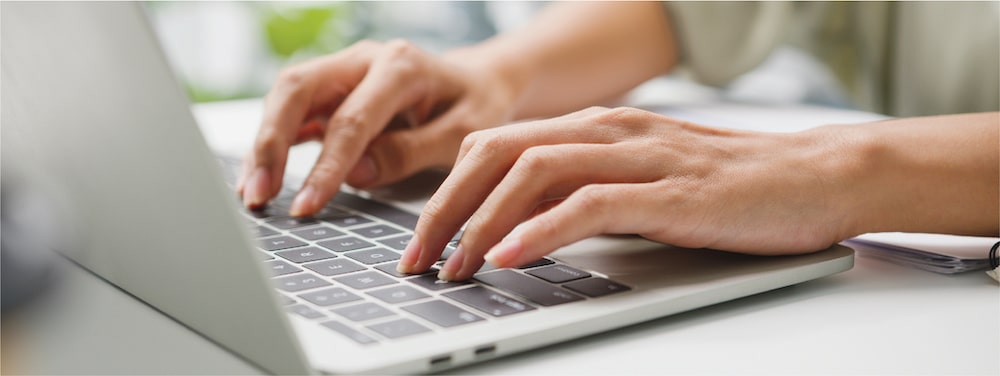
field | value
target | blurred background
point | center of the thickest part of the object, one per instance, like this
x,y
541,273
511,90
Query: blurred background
x,y
232,50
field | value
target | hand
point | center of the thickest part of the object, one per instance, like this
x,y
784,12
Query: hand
x,y
348,101
626,171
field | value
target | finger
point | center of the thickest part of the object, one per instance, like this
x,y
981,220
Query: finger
x,y
486,158
299,93
397,154
543,173
393,83
591,210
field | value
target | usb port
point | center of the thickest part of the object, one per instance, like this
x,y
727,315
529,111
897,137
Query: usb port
x,y
486,350
441,360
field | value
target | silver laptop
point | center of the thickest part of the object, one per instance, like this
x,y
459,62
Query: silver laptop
x,y
94,119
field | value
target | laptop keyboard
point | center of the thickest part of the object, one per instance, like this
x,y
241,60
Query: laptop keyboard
x,y
339,269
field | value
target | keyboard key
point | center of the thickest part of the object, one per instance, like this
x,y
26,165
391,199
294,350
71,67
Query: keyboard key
x,y
307,254
279,242
306,312
348,221
349,332
488,301
317,233
528,287
431,282
329,297
390,269
376,231
596,287
397,242
349,243
535,264
398,294
299,282
334,267
363,312
365,280
262,232
373,256
558,273
398,328
378,209
278,267
331,212
286,222
267,212
441,313
264,256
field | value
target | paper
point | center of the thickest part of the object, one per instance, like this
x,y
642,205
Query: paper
x,y
946,254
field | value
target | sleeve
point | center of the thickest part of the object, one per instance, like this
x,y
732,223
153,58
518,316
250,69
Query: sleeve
x,y
718,41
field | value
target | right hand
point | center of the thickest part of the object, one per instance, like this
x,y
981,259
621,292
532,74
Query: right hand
x,y
348,99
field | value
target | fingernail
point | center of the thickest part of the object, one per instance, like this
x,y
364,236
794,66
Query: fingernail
x,y
255,192
365,172
504,253
304,202
452,266
410,255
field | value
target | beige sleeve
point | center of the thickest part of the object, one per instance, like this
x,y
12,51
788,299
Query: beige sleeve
x,y
718,41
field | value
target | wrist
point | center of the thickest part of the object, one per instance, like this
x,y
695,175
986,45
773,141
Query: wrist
x,y
842,159
490,66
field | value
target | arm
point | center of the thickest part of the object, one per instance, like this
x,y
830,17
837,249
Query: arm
x,y
695,186
936,174
578,54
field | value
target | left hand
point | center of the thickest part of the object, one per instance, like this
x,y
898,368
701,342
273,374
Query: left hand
x,y
627,171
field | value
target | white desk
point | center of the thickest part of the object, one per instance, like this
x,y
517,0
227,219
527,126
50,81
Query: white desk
x,y
877,318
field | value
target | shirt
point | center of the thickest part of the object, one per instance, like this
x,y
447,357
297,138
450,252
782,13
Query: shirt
x,y
896,58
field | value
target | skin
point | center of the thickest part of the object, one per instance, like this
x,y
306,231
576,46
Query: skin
x,y
386,111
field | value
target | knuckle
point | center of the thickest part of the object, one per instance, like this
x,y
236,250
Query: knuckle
x,y
400,48
431,212
470,141
403,58
592,199
349,122
325,170
292,77
545,226
593,110
366,45
534,161
267,143
494,142
625,119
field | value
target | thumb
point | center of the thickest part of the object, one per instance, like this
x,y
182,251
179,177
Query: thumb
x,y
397,154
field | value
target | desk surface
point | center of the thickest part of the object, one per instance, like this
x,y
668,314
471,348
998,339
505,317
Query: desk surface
x,y
876,318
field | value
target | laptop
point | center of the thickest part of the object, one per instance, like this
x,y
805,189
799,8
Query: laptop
x,y
94,119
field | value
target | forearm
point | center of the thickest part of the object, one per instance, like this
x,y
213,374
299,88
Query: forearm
x,y
931,174
577,54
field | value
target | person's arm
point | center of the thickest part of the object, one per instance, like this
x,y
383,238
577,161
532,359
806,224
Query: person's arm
x,y
936,174
578,54
571,56
625,171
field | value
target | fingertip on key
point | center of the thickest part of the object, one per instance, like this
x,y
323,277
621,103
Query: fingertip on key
x,y
255,190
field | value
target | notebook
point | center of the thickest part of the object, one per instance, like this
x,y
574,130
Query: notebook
x,y
94,119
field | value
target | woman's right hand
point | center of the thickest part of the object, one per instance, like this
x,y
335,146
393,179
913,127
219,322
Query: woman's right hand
x,y
348,100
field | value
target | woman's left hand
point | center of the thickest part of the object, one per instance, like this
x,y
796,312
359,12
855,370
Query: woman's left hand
x,y
627,171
